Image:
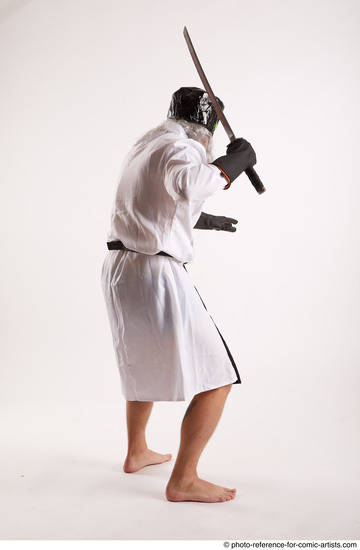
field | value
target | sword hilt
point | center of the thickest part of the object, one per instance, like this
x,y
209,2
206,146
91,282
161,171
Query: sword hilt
x,y
255,180
250,172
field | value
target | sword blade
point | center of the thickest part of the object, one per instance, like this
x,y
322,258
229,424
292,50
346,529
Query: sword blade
x,y
208,88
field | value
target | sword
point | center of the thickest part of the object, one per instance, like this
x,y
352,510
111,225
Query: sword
x,y
250,172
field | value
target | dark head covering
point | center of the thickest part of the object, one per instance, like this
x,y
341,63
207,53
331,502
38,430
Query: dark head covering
x,y
194,105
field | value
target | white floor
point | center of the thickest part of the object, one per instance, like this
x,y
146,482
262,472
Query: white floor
x,y
61,478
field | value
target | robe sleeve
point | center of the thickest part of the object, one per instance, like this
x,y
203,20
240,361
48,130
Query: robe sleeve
x,y
188,175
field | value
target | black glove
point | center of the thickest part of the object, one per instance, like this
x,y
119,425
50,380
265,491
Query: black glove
x,y
239,156
220,223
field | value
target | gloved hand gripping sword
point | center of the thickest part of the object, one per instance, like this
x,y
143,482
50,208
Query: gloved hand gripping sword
x,y
240,156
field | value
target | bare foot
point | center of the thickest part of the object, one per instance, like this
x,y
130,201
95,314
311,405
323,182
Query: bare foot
x,y
199,491
134,462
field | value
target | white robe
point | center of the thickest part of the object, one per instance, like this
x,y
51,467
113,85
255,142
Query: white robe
x,y
166,344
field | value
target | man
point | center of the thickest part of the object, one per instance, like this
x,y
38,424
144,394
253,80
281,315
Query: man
x,y
167,346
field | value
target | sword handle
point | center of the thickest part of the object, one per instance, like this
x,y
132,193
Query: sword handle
x,y
250,172
255,180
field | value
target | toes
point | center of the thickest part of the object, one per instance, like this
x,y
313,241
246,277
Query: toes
x,y
231,493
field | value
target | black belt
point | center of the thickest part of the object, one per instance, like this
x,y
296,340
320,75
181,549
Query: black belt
x,y
118,245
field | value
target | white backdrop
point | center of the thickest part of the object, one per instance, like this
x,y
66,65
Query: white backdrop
x,y
80,81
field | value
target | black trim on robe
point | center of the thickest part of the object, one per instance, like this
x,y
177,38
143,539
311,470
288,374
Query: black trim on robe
x,y
238,381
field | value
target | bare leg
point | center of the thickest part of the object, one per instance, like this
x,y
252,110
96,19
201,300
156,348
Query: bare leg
x,y
199,423
139,455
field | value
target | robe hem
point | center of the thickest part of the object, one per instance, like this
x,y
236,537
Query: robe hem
x,y
185,398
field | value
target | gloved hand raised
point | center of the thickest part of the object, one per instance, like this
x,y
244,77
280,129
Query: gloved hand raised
x,y
220,223
239,156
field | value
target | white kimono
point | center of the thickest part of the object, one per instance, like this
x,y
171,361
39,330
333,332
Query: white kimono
x,y
166,344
